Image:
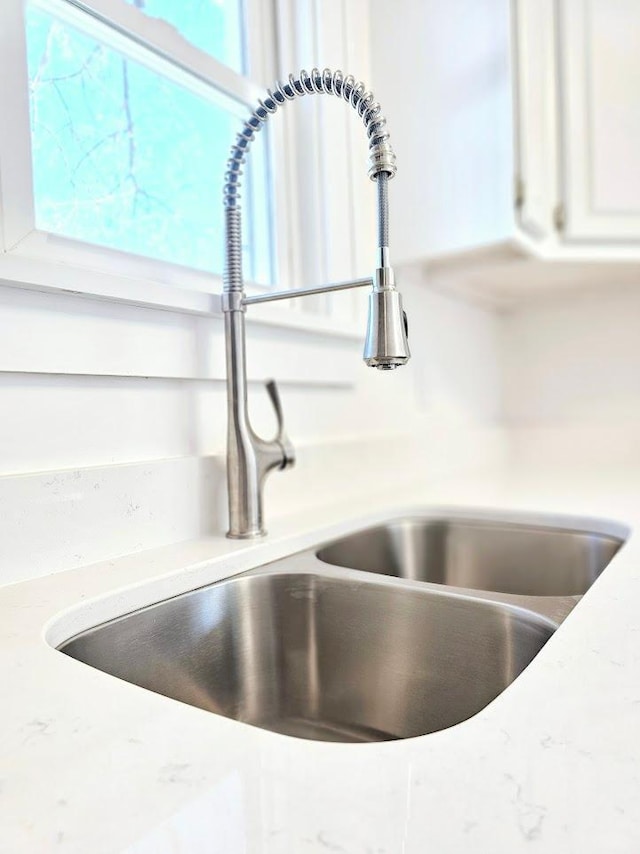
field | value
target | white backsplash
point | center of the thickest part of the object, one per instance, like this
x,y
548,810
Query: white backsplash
x,y
95,466
572,378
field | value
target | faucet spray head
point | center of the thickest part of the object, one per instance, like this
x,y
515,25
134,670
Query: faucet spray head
x,y
386,346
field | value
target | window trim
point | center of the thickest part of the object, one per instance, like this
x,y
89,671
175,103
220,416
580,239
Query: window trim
x,y
36,259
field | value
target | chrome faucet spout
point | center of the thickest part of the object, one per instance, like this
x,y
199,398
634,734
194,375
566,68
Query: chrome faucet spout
x,y
250,458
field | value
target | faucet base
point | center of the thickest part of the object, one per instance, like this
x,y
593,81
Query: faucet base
x,y
248,535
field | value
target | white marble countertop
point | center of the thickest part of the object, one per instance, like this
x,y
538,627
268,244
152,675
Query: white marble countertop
x,y
92,764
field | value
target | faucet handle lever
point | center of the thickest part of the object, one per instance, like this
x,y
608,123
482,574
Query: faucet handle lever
x,y
288,453
274,396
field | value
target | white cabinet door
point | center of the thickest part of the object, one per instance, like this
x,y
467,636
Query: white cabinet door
x,y
536,124
441,72
600,83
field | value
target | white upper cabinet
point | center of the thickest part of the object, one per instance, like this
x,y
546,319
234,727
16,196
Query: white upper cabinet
x,y
577,116
562,118
441,72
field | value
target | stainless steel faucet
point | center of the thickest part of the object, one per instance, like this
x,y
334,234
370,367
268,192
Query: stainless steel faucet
x,y
250,458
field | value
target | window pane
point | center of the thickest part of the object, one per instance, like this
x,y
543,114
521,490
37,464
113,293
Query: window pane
x,y
128,159
214,26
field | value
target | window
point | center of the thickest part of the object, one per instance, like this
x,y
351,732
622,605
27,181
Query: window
x,y
132,108
129,154
122,113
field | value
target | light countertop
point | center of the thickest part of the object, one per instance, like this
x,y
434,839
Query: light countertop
x,y
89,763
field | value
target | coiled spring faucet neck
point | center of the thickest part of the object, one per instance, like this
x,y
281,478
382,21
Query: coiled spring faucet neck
x,y
382,159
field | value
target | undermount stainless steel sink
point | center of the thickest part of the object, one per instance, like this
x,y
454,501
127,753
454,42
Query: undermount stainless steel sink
x,y
503,557
398,630
332,656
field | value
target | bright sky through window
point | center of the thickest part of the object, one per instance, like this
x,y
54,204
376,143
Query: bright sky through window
x,y
214,26
128,159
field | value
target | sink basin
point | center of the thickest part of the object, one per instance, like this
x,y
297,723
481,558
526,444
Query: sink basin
x,y
332,656
523,560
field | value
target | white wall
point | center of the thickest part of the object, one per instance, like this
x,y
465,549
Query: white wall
x,y
572,378
95,463
441,73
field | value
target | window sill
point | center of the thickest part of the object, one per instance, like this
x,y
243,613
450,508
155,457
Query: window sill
x,y
160,286
67,320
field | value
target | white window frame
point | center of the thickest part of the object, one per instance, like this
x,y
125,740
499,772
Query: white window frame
x,y
34,259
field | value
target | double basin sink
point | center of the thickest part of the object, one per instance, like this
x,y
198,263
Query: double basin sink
x,y
394,631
